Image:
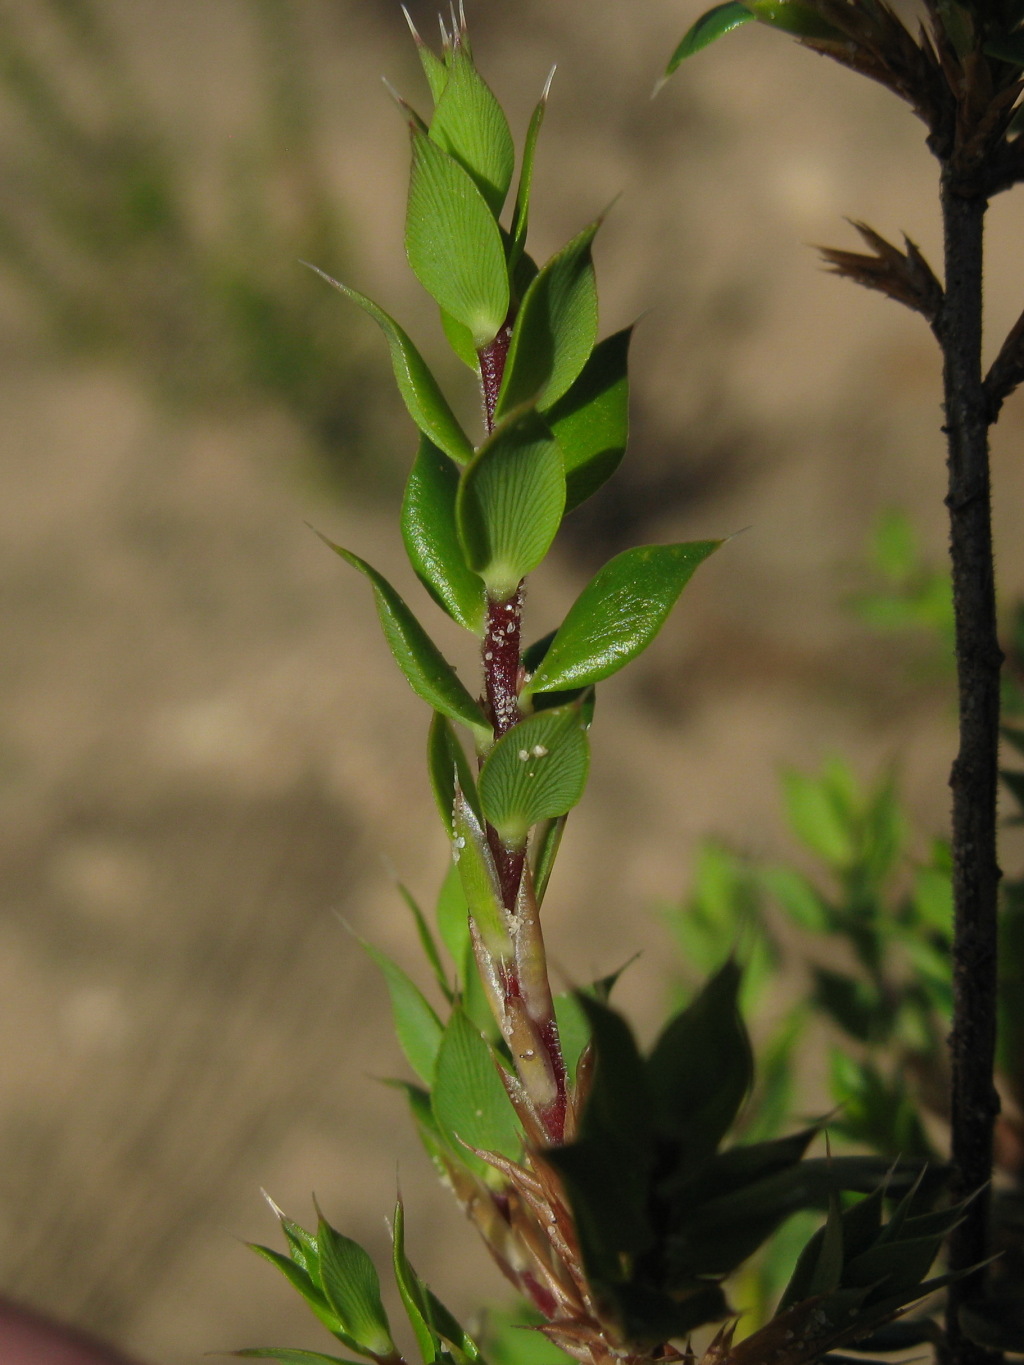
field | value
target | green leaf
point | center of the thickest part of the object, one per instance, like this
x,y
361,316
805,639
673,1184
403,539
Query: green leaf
x,y
852,1003
452,913
469,1099
618,614
426,1126
471,127
800,900
591,421
412,1291
701,1068
464,1348
545,850
819,817
716,22
510,502
427,671
555,329
479,878
426,404
417,1026
352,1289
573,1029
448,766
432,542
453,242
535,772
460,339
521,212
427,941
290,1355
796,17
607,1170
300,1279
433,67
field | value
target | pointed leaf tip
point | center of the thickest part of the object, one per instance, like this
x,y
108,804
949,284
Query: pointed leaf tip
x,y
713,24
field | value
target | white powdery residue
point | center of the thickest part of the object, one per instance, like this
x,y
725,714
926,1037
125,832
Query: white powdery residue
x,y
538,751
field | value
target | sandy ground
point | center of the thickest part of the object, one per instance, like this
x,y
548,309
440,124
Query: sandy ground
x,y
206,758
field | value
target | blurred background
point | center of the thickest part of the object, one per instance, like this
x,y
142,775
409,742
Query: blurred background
x,y
207,759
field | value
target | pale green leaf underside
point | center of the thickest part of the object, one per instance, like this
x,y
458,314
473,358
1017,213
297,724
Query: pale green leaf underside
x,y
426,670
714,24
471,127
470,1103
535,772
453,242
460,339
352,1288
426,404
555,330
618,614
417,1026
432,541
510,502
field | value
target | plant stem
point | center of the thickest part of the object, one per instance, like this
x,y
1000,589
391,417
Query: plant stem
x,y
527,1015
974,776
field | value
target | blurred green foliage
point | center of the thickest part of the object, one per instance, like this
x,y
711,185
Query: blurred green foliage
x,y
873,925
101,234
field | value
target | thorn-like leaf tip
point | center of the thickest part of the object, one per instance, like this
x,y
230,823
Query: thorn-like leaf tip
x,y
412,28
547,84
275,1208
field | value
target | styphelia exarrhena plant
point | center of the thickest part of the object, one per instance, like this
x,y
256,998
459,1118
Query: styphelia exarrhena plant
x,y
595,1175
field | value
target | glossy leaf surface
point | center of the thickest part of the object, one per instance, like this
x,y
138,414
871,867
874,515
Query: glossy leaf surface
x,y
453,242
470,125
431,539
618,614
469,1099
535,772
555,330
426,404
711,25
510,502
591,421
427,671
